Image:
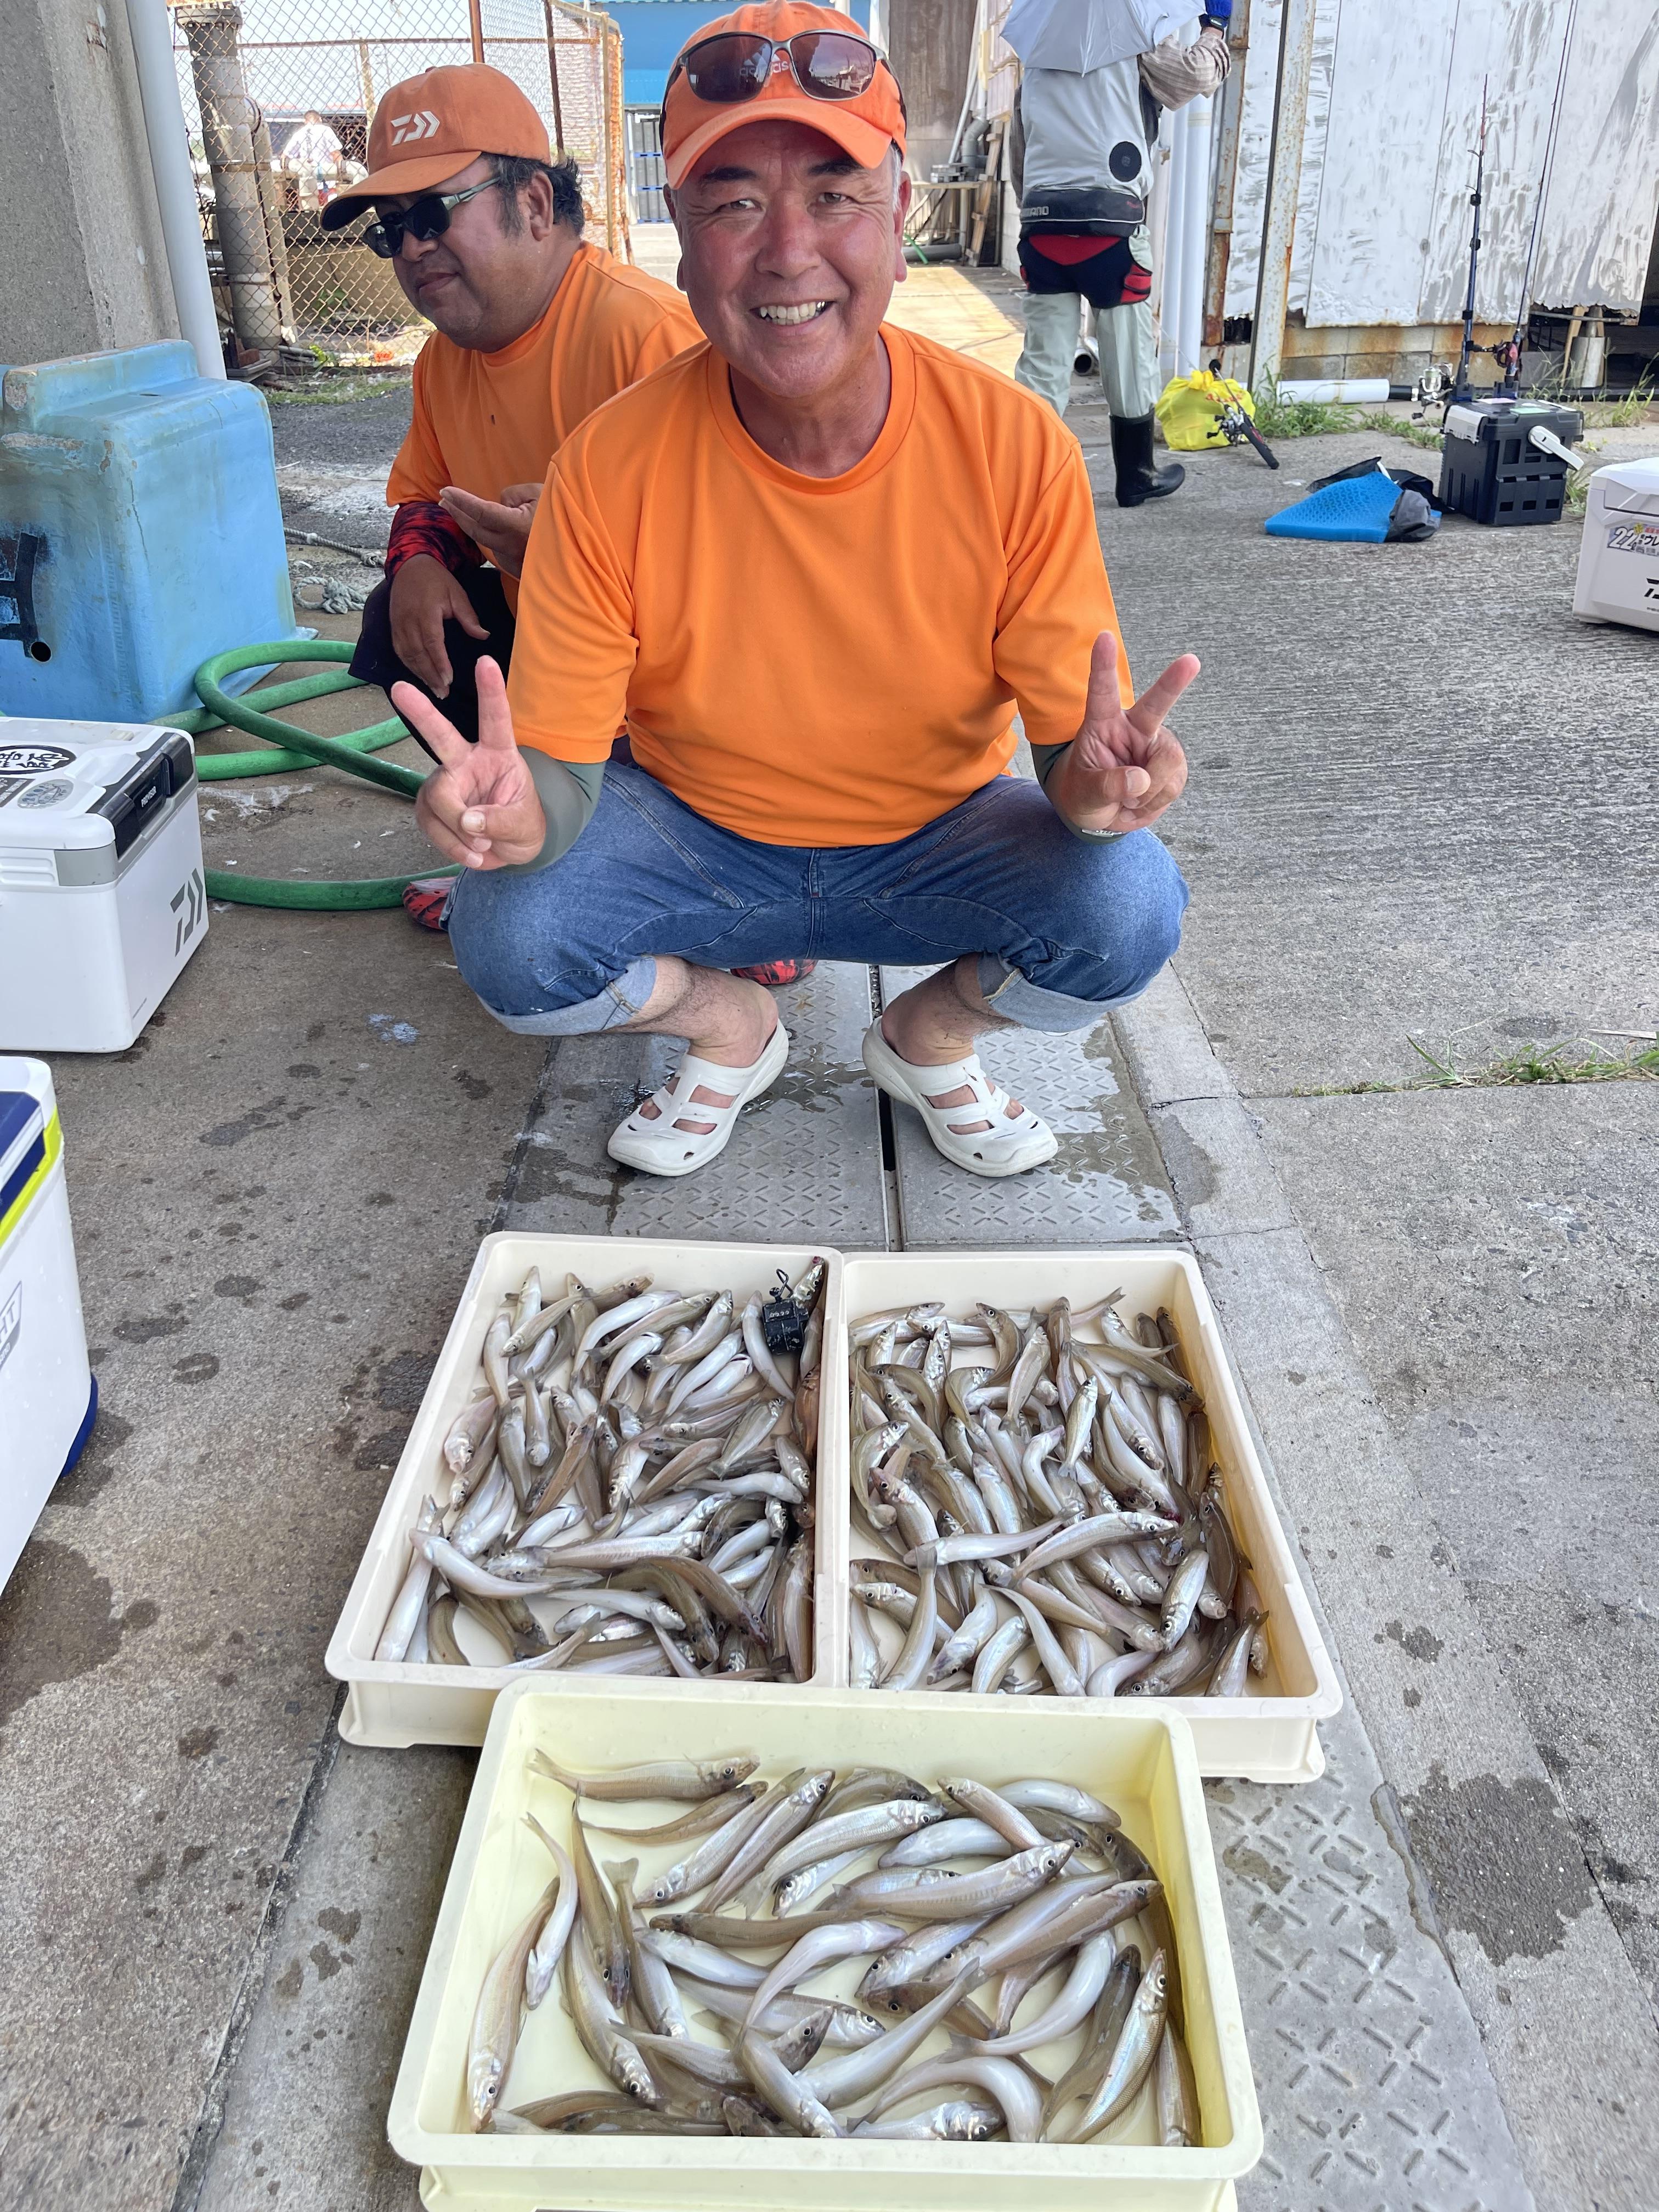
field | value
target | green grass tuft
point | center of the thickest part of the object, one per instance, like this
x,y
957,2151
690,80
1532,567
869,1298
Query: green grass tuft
x,y
1573,1060
1319,418
1601,414
1623,414
333,388
1400,426
1299,418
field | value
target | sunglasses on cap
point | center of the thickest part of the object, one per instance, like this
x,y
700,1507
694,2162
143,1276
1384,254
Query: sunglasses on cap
x,y
428,218
735,65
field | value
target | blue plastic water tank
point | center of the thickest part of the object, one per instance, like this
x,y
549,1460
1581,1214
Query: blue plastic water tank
x,y
139,532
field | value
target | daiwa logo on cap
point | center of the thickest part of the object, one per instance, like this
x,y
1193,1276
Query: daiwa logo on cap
x,y
406,128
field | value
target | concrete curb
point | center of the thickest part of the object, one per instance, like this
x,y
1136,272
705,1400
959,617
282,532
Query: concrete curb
x,y
1568,2035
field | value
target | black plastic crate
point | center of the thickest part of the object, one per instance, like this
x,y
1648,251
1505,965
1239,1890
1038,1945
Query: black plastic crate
x,y
1490,470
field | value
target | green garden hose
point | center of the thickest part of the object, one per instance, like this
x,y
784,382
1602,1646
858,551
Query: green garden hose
x,y
287,749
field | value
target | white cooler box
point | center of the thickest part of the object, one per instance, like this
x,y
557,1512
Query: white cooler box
x,y
1619,561
102,895
47,1397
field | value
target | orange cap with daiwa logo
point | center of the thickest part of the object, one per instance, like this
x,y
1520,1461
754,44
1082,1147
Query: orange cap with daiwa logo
x,y
863,126
430,127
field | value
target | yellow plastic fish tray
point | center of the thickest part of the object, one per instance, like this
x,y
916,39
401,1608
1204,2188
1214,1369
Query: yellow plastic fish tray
x,y
1272,1737
1141,1760
397,1704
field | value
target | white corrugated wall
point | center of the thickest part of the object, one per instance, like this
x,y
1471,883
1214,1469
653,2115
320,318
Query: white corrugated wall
x,y
1388,162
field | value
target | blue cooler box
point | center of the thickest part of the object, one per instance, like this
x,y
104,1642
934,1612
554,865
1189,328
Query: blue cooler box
x,y
140,534
47,1396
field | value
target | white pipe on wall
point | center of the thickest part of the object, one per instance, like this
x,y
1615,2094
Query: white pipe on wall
x,y
1157,210
1194,210
1175,232
1343,390
175,182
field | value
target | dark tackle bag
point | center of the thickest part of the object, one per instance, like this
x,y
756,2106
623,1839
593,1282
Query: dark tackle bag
x,y
1082,211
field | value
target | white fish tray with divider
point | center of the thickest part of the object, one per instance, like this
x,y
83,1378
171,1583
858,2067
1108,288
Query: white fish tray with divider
x,y
397,1703
1270,1734
1139,1761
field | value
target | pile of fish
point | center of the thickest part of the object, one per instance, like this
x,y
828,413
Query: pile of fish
x,y
1028,1895
631,1493
1048,1516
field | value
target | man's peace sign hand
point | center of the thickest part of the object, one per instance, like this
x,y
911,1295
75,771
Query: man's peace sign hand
x,y
479,805
1123,767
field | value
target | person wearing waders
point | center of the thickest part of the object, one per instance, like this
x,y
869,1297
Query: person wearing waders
x,y
1088,126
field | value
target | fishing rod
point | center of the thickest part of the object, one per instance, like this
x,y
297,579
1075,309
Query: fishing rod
x,y
1507,352
1460,388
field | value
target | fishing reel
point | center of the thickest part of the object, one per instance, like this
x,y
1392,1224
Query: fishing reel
x,y
1432,389
783,1318
1507,354
1236,426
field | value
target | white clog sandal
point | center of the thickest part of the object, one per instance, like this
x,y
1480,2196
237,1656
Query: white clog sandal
x,y
1012,1143
661,1146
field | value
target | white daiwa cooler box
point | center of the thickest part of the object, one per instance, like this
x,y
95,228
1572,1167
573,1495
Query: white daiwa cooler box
x,y
1619,561
102,895
47,1397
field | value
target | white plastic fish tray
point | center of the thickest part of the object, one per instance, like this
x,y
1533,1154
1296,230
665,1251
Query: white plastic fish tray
x,y
1140,1760
397,1704
1274,1737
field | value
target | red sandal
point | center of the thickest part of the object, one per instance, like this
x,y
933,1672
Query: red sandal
x,y
423,900
769,971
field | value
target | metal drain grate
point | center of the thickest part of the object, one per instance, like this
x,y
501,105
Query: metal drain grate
x,y
1375,2091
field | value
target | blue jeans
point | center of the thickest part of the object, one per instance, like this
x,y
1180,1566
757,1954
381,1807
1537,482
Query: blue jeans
x,y
1063,927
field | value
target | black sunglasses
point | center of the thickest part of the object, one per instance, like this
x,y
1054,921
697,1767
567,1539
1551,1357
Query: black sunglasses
x,y
734,65
428,218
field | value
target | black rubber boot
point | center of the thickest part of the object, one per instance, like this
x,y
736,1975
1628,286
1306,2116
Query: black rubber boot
x,y
1139,478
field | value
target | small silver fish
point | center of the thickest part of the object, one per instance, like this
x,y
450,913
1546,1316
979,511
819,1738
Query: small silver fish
x,y
688,1780
500,2009
467,1431
494,1357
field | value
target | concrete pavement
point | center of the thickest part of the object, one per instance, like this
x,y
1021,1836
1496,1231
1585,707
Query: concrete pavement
x,y
1498,1871
1532,1441
332,461
1423,801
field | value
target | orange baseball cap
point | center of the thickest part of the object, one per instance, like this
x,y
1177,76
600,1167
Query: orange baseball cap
x,y
864,127
429,127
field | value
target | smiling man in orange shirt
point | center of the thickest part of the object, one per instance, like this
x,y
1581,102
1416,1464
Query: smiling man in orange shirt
x,y
818,565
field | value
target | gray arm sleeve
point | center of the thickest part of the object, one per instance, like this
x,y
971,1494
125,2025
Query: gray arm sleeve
x,y
1175,74
569,791
1046,759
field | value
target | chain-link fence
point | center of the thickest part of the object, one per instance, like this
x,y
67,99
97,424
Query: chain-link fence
x,y
278,97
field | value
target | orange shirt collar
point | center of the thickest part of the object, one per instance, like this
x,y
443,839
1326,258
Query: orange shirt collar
x,y
901,407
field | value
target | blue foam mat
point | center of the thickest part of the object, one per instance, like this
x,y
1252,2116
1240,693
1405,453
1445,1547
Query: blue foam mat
x,y
1357,510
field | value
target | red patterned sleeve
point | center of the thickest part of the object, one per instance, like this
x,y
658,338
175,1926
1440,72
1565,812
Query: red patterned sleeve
x,y
421,525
